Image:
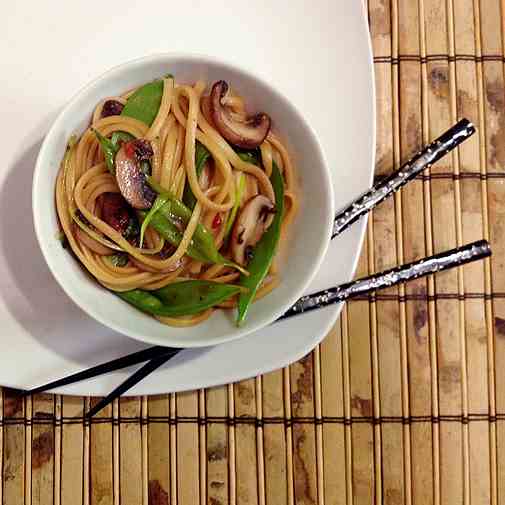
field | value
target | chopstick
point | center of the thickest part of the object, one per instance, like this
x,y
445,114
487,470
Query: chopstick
x,y
104,368
347,216
432,264
362,205
409,271
140,374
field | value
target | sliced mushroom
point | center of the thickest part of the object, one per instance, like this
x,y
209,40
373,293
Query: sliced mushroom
x,y
251,189
235,107
248,132
206,110
236,104
249,227
131,181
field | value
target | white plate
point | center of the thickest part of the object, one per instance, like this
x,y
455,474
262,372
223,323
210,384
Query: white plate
x,y
321,62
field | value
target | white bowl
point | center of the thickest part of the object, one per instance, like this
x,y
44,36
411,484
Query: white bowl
x,y
309,237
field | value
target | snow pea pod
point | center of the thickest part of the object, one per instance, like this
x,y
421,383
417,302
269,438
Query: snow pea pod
x,y
264,251
142,300
145,102
109,150
120,136
180,298
192,296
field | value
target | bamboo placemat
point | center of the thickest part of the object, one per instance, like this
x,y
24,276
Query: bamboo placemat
x,y
404,401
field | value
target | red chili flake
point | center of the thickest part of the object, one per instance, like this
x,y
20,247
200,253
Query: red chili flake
x,y
129,149
216,222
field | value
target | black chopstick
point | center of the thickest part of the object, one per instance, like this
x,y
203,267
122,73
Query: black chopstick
x,y
452,138
432,264
420,268
356,209
140,374
116,364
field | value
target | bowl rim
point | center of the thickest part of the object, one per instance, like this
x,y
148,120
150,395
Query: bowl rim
x,y
170,340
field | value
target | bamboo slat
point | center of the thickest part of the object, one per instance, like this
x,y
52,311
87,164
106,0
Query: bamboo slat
x,y
334,447
246,443
188,464
217,450
130,451
490,76
390,337
419,312
101,465
360,393
404,401
73,455
274,440
477,477
442,200
43,450
14,450
158,442
304,435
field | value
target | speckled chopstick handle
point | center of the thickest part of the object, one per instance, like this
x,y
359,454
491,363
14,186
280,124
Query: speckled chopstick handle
x,y
422,160
448,259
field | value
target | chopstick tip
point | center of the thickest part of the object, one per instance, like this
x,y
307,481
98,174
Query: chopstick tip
x,y
484,246
467,125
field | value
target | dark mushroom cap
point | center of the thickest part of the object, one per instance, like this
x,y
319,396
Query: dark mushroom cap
x,y
111,108
249,227
116,212
247,133
131,181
